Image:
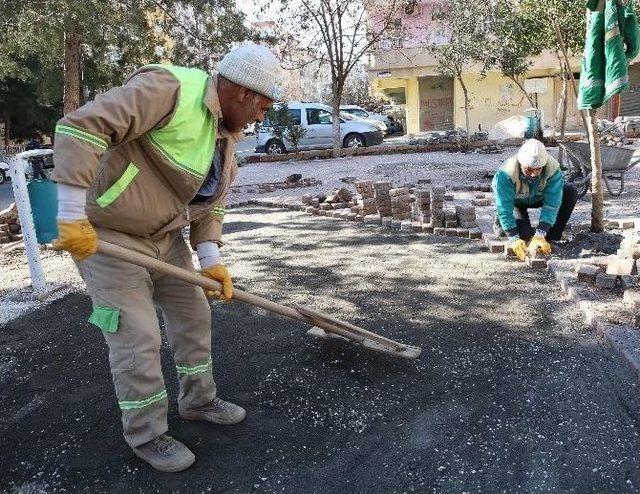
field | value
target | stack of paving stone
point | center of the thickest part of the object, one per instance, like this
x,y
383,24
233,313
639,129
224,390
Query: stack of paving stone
x,y
382,198
400,204
466,216
422,206
437,208
367,193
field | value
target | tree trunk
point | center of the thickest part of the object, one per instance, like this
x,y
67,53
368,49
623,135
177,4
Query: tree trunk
x,y
597,202
563,114
569,71
335,105
71,71
466,108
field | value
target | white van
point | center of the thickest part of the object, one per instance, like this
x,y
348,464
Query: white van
x,y
317,120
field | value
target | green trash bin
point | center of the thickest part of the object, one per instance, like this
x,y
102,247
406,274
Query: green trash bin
x,y
43,195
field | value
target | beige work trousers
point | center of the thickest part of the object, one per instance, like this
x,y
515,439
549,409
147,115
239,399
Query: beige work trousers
x,y
124,298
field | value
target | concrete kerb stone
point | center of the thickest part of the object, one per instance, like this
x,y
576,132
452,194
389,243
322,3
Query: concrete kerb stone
x,y
623,340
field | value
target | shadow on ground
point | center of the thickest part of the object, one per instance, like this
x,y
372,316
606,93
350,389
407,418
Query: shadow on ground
x,y
505,398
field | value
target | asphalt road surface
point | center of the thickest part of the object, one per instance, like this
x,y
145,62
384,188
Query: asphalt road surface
x,y
6,194
511,394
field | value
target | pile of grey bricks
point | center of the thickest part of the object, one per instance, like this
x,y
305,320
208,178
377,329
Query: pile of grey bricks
x,y
367,203
383,198
618,275
268,187
425,210
400,203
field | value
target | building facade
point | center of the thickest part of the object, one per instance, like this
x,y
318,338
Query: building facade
x,y
402,68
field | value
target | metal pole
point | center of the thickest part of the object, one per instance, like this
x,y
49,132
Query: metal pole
x,y
21,195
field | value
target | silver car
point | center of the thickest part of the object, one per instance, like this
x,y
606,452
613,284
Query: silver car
x,y
317,120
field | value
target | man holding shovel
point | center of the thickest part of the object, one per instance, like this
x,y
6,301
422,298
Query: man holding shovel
x,y
532,179
134,167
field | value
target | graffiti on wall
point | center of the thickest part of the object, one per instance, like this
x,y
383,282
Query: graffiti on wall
x,y
508,99
436,104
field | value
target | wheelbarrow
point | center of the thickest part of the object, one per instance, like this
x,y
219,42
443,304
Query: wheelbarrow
x,y
615,163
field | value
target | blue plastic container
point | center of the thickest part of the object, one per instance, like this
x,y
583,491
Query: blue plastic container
x,y
533,126
43,195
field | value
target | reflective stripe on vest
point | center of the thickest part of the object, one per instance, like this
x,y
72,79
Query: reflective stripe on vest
x,y
113,192
188,140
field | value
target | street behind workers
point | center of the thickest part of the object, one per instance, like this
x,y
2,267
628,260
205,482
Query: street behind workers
x,y
532,179
133,168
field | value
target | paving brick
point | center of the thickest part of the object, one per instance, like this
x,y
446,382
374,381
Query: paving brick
x,y
611,224
481,202
588,273
448,197
632,299
475,233
626,224
405,225
372,219
416,226
496,247
451,232
396,224
534,263
386,222
467,224
606,281
633,252
463,232
630,281
401,191
427,228
451,224
438,230
621,266
466,217
464,210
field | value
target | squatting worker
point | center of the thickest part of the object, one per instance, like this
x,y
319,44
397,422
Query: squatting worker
x,y
134,167
532,179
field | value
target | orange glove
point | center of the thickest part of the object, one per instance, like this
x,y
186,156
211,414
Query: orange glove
x,y
219,273
77,237
539,243
519,247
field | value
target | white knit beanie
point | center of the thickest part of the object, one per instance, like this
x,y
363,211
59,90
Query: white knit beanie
x,y
532,154
256,68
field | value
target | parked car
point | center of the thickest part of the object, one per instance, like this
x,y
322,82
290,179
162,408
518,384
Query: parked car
x,y
392,125
317,120
376,123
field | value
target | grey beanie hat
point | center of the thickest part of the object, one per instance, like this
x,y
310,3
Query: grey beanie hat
x,y
254,67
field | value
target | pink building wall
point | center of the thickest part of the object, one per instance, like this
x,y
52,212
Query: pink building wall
x,y
416,30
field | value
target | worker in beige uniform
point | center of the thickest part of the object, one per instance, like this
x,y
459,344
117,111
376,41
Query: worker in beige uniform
x,y
134,167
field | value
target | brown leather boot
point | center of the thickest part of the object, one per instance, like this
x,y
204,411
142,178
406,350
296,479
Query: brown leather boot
x,y
216,411
166,454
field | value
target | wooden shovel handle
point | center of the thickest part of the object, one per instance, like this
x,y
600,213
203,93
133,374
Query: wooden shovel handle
x,y
308,316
